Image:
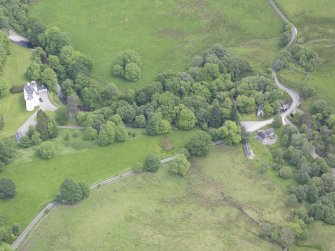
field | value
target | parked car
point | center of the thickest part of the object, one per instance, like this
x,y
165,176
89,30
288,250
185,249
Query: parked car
x,y
41,100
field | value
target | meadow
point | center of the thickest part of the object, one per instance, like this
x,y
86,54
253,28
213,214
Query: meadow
x,y
316,29
166,34
164,212
13,106
38,180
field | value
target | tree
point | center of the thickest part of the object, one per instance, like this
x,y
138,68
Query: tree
x,y
46,150
128,65
292,200
286,237
151,163
230,132
3,87
7,151
106,134
199,144
132,72
34,71
186,119
140,121
49,79
7,189
53,40
70,192
72,106
182,165
90,133
62,115
285,172
85,189
46,127
246,104
157,126
121,133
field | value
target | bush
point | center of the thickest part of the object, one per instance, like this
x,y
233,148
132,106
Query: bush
x,y
199,144
151,163
285,172
46,150
7,189
16,89
182,166
132,72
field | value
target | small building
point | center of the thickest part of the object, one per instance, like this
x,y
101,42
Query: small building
x,y
260,111
248,151
32,95
267,137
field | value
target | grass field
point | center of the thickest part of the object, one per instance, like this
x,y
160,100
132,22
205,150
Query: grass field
x,y
167,34
163,212
13,106
38,180
315,21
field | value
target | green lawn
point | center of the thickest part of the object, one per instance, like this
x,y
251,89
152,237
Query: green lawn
x,y
315,21
38,181
164,212
13,106
167,34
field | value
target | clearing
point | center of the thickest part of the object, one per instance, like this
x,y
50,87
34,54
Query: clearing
x,y
164,212
38,180
166,34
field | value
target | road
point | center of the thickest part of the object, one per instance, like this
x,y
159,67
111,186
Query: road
x,y
45,211
252,126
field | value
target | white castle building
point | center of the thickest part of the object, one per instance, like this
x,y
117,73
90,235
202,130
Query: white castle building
x,y
32,95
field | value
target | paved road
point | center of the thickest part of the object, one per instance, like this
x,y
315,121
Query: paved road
x,y
44,212
252,126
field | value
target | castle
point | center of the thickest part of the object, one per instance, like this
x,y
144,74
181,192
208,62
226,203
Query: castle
x,y
32,95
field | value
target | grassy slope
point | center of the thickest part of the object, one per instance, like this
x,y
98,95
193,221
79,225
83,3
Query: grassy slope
x,y
316,24
167,34
38,181
163,212
13,105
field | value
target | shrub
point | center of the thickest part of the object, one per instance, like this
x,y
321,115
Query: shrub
x,y
285,172
46,150
151,163
7,189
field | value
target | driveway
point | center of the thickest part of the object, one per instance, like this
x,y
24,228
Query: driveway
x,y
46,105
252,126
